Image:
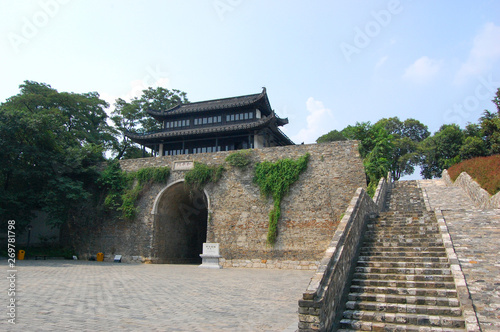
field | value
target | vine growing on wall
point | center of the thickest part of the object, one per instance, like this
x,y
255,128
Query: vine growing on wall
x,y
202,174
124,189
275,179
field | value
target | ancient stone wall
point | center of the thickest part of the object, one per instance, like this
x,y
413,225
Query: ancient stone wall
x,y
478,195
237,215
320,303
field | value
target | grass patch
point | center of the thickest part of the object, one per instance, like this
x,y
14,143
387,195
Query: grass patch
x,y
484,170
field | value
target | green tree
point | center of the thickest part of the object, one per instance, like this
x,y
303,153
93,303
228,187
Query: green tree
x,y
332,136
127,118
361,131
133,117
406,137
50,144
441,150
377,162
490,126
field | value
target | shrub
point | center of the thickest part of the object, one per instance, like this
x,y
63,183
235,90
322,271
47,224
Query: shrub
x,y
124,189
484,170
202,174
239,159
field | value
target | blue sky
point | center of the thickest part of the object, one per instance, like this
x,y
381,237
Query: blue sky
x,y
325,64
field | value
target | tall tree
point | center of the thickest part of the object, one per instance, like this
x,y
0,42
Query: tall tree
x,y
133,117
331,136
50,143
406,137
441,150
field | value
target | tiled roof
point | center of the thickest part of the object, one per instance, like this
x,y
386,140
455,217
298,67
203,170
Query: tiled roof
x,y
259,99
259,123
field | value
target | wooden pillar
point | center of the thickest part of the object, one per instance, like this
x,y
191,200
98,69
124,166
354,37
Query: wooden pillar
x,y
161,150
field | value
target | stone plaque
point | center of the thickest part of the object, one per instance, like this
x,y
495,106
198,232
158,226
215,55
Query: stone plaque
x,y
183,165
211,249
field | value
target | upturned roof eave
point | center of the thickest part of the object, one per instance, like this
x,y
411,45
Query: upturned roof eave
x,y
215,105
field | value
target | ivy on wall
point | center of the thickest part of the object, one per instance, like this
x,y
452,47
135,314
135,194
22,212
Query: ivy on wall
x,y
202,174
239,159
275,179
124,189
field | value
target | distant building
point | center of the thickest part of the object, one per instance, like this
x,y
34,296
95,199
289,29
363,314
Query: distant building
x,y
227,124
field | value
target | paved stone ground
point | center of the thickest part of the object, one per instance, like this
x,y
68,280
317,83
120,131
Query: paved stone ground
x,y
95,296
476,239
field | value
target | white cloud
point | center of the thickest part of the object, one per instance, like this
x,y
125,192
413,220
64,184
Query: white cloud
x,y
484,53
319,121
422,70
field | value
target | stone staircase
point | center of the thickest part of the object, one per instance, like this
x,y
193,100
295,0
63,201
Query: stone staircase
x,y
403,281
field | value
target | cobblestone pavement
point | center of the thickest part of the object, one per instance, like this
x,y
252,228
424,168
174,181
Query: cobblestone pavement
x,y
476,239
96,296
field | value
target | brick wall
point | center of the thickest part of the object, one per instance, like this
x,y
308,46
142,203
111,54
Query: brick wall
x,y
320,303
238,215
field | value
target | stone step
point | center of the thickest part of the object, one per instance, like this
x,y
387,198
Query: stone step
x,y
408,219
382,321
413,249
402,283
409,277
368,251
402,280
404,308
403,270
404,264
416,259
404,242
369,326
404,299
410,234
414,291
400,224
403,229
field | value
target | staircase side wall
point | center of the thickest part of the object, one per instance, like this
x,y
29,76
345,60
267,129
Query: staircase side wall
x,y
478,195
321,303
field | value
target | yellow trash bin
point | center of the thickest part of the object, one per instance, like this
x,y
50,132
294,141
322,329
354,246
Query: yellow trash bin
x,y
100,257
20,255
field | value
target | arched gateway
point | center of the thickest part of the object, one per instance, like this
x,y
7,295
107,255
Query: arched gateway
x,y
180,224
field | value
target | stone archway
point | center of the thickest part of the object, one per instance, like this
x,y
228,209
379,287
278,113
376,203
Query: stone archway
x,y
180,228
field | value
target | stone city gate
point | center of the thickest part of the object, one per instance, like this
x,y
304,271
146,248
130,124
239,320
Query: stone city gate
x,y
180,224
171,223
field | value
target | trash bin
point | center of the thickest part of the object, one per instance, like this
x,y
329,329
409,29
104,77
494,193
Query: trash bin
x,y
100,257
20,255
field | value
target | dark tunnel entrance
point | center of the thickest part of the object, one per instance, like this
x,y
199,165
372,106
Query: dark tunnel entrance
x,y
180,225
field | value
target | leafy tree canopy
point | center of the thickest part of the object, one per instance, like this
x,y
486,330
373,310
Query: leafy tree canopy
x,y
133,117
50,143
